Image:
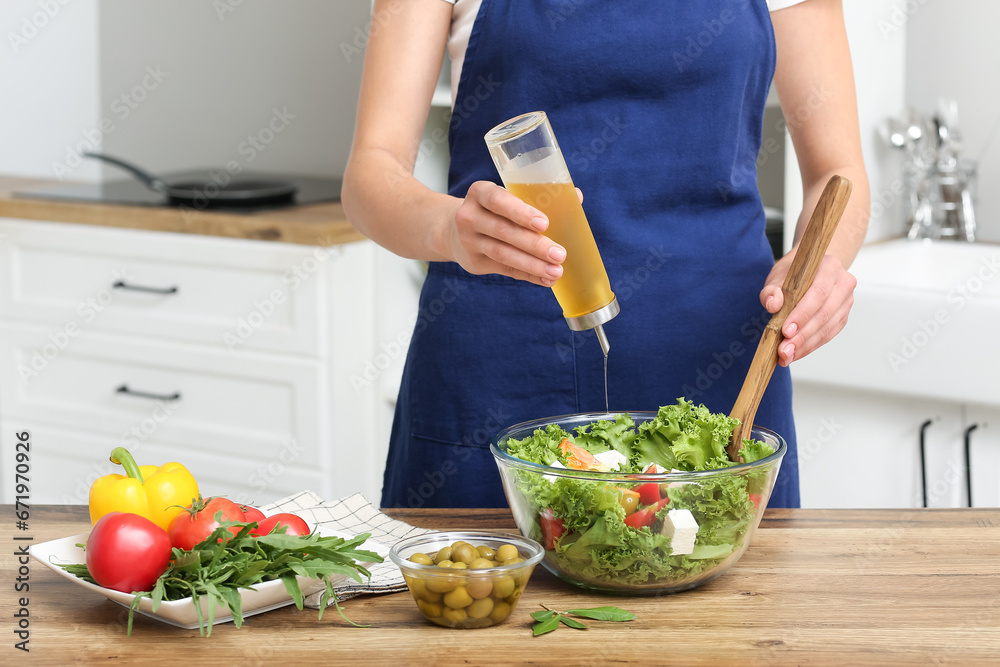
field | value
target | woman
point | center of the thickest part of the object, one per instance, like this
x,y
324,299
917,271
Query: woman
x,y
658,108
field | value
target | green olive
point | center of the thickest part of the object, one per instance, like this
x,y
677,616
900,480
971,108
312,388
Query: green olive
x,y
421,559
465,553
443,554
485,552
443,584
458,598
512,561
506,552
479,587
429,609
502,587
444,563
480,608
454,616
501,610
416,586
481,564
430,596
458,565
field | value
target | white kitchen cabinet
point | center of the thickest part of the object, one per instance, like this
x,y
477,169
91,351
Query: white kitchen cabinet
x,y
920,345
241,362
862,449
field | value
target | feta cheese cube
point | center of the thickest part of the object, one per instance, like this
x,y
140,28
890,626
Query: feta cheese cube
x,y
553,478
681,528
612,459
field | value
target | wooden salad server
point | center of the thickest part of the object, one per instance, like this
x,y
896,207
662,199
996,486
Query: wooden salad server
x,y
805,264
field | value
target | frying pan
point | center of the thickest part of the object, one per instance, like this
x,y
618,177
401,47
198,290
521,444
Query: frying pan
x,y
208,193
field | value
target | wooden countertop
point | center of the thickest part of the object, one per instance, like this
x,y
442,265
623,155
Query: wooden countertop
x,y
316,224
816,587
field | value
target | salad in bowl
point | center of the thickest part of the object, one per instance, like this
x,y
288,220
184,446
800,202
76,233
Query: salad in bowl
x,y
640,503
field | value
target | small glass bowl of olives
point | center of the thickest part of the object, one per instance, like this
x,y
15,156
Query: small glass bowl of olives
x,y
466,579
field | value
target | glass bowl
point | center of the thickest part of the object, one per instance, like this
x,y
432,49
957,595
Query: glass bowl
x,y
580,519
471,597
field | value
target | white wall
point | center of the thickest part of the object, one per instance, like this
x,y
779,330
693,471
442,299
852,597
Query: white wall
x,y
879,75
220,75
49,78
952,52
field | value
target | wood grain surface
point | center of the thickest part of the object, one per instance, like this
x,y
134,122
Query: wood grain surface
x,y
816,587
316,224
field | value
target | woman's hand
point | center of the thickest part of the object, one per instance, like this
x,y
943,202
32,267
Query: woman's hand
x,y
821,312
492,231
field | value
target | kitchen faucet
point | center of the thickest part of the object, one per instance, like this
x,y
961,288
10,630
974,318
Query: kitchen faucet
x,y
938,182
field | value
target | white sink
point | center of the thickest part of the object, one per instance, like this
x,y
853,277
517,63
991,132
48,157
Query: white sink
x,y
926,322
970,269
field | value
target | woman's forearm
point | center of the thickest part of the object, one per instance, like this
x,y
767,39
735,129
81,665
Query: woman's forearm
x,y
853,225
385,202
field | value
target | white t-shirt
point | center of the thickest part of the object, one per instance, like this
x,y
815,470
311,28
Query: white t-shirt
x,y
464,15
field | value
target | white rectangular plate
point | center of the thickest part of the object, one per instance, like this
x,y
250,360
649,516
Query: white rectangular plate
x,y
182,613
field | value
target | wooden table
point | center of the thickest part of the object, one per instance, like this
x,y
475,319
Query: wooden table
x,y
817,587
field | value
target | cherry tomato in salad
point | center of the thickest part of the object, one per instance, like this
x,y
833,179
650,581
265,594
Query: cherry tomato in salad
x,y
127,552
552,528
645,517
755,498
649,494
198,521
294,525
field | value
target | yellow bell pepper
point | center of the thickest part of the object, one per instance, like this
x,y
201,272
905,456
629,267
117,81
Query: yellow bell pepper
x,y
156,493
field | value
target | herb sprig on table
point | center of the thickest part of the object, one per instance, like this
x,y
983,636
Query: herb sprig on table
x,y
550,619
220,569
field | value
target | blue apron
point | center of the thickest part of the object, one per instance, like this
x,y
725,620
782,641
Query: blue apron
x,y
658,108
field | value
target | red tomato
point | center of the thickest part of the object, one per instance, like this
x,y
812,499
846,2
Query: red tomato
x,y
294,525
251,514
755,499
552,528
127,552
649,494
645,517
198,521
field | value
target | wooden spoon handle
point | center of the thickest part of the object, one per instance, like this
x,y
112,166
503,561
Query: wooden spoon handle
x,y
816,239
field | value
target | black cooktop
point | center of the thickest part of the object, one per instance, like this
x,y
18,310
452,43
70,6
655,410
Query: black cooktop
x,y
311,190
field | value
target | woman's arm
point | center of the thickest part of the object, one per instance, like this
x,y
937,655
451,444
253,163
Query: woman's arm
x,y
815,84
488,231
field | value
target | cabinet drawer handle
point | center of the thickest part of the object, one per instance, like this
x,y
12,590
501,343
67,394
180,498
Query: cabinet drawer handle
x,y
176,396
121,284
968,464
923,458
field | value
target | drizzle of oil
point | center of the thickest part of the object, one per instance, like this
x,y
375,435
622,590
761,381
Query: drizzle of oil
x,y
606,408
602,338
